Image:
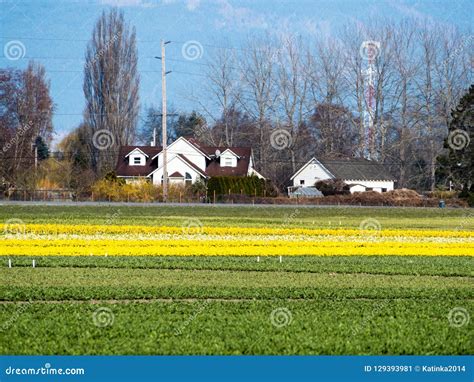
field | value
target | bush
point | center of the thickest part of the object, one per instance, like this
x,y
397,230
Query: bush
x,y
249,185
333,187
118,191
468,195
111,176
442,194
198,189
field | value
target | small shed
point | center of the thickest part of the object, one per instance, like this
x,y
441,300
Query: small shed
x,y
304,192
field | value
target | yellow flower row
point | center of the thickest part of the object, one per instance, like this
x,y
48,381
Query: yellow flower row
x,y
66,247
192,229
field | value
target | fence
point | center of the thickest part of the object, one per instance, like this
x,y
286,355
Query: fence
x,y
66,195
38,195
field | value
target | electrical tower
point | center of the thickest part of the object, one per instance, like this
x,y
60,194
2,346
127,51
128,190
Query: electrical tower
x,y
369,51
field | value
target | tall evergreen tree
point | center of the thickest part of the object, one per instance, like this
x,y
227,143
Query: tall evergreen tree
x,y
42,148
457,164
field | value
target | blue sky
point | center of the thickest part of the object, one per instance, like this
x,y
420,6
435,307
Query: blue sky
x,y
55,33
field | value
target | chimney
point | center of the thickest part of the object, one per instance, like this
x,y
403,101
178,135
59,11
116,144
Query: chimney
x,y
153,142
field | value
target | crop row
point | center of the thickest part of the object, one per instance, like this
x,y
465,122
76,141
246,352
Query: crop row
x,y
74,247
401,265
193,227
308,327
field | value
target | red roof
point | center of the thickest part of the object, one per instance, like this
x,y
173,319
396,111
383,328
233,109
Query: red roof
x,y
214,168
176,174
124,169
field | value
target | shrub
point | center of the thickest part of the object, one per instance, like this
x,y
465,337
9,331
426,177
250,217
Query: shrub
x,y
118,191
249,185
468,195
332,187
199,188
111,176
442,194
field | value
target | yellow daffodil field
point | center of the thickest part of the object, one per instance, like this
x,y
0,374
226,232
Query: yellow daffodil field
x,y
228,280
193,239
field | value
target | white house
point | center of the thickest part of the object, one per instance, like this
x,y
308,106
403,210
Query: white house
x,y
359,174
187,162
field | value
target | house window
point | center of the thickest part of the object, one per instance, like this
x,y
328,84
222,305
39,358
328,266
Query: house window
x,y
228,162
384,189
137,160
369,189
302,182
188,180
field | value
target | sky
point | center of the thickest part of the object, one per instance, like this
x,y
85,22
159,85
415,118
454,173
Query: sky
x,y
55,33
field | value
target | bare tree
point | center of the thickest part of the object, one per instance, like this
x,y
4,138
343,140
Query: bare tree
x,y
318,97
257,100
404,96
224,87
26,114
352,36
292,83
111,84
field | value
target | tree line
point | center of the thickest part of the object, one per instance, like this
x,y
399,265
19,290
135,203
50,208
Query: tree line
x,y
287,97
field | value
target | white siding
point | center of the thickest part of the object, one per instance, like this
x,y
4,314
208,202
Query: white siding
x,y
227,159
311,174
176,164
362,185
136,156
314,171
181,146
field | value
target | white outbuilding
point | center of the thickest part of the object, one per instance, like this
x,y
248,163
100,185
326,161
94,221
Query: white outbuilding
x,y
360,174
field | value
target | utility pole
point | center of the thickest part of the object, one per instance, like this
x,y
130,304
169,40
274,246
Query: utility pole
x,y
163,119
34,146
36,157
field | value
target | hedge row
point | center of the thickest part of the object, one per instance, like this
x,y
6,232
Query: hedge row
x,y
250,186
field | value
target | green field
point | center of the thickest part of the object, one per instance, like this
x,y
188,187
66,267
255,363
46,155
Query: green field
x,y
237,305
251,216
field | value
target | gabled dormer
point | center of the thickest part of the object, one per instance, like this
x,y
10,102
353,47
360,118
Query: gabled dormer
x,y
228,158
136,157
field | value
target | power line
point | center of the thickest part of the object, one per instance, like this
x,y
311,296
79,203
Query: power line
x,y
64,39
284,161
